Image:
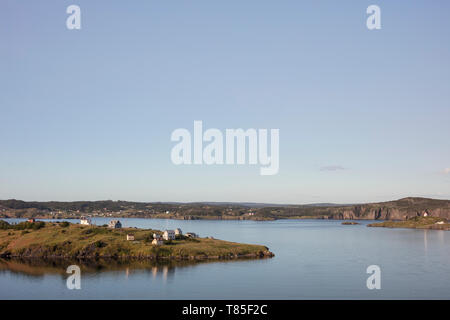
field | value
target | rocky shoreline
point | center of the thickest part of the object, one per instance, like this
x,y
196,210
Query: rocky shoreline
x,y
260,255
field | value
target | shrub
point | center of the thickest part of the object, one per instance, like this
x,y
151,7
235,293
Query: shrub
x,y
87,231
38,225
94,231
64,224
22,226
148,238
99,244
4,225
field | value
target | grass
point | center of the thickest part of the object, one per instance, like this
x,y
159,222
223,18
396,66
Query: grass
x,y
56,240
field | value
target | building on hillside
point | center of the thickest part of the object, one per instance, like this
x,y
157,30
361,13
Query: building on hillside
x,y
191,235
32,220
178,232
157,242
85,221
169,235
115,224
425,214
130,237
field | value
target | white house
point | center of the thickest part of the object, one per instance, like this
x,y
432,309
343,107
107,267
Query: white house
x,y
178,232
130,237
157,242
85,221
169,235
425,214
115,224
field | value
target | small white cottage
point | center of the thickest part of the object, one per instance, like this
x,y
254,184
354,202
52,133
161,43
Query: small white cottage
x,y
85,221
115,224
178,232
169,235
130,237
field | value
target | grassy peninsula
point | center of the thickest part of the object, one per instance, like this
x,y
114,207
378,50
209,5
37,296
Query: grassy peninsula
x,y
434,223
66,240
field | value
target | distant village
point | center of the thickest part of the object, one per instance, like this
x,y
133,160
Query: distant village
x,y
122,209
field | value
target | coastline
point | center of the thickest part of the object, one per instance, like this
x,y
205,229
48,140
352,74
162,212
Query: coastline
x,y
211,218
259,255
62,240
429,223
402,209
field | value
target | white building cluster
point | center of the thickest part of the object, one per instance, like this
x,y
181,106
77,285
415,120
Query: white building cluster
x,y
157,238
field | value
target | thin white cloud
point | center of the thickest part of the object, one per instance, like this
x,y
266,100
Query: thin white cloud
x,y
332,168
446,171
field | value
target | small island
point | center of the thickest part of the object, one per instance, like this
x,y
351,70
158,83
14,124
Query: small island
x,y
349,223
433,223
38,239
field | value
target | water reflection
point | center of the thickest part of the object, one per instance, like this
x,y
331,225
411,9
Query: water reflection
x,y
38,268
441,237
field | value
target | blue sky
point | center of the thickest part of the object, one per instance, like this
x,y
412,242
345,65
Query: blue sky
x,y
87,114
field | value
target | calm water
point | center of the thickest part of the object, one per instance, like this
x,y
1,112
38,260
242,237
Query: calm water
x,y
315,259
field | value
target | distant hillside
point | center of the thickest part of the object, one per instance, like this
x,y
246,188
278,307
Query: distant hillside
x,y
402,209
265,205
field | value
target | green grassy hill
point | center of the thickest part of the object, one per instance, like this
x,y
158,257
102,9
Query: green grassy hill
x,y
64,240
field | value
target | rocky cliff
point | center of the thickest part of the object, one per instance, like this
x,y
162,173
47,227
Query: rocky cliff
x,y
402,209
